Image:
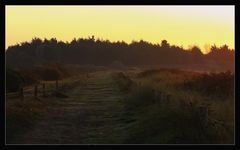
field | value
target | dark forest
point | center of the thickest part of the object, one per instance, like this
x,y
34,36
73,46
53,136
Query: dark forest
x,y
105,53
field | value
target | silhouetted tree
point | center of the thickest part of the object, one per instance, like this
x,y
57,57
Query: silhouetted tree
x,y
196,51
103,52
165,44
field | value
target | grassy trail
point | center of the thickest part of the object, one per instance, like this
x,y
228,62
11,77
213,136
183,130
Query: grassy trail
x,y
92,114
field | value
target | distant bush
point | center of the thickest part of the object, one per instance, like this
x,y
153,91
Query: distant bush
x,y
147,73
17,79
14,80
154,71
117,65
29,77
49,72
124,83
219,84
63,72
140,96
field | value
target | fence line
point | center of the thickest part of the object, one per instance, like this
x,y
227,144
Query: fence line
x,y
36,90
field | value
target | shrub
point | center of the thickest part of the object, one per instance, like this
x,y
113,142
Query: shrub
x,y
147,73
13,80
117,65
49,74
140,96
175,125
29,77
218,84
124,83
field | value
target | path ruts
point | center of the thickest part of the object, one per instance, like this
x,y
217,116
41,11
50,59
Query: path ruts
x,y
90,115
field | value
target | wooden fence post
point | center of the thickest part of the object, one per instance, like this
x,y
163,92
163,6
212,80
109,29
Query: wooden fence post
x,y
44,91
21,94
35,91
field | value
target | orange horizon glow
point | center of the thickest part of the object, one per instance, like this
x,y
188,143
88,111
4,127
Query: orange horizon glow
x,y
179,25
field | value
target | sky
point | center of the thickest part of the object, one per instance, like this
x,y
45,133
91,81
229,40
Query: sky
x,y
180,25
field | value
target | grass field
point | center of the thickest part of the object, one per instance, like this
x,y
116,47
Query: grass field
x,y
126,107
188,116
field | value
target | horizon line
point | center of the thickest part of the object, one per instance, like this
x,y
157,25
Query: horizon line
x,y
115,41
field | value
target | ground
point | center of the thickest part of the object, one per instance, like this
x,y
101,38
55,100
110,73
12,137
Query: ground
x,y
90,114
123,107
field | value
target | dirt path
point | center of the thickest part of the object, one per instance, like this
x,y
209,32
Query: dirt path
x,y
90,115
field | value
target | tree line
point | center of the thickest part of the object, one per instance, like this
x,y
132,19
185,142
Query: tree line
x,y
104,53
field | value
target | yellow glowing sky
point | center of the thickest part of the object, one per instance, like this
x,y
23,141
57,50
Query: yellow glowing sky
x,y
179,25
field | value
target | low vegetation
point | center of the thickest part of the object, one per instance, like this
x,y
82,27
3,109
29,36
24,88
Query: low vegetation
x,y
164,106
23,114
25,77
157,106
20,116
13,80
191,116
123,82
218,84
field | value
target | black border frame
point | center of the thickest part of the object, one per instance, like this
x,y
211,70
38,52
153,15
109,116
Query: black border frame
x,y
122,2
